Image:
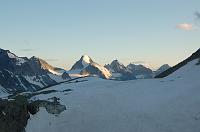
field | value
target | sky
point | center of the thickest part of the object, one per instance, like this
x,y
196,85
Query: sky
x,y
152,32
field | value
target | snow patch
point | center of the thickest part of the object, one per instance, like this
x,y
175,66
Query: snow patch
x,y
3,93
55,72
34,80
86,59
11,55
20,61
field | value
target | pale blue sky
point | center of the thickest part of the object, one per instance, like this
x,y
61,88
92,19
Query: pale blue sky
x,y
60,31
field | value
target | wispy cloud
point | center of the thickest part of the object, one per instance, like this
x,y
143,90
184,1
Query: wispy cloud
x,y
139,62
185,26
144,63
51,59
27,50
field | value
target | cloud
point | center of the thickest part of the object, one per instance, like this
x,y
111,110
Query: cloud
x,y
185,26
51,59
139,62
27,50
197,15
144,63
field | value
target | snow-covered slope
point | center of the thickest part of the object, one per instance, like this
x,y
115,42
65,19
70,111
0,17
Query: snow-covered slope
x,y
194,56
96,69
170,104
190,70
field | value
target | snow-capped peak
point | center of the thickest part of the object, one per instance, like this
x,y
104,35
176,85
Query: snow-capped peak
x,y
86,66
86,59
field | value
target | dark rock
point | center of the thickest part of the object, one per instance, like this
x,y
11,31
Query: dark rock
x,y
33,108
51,107
13,115
65,75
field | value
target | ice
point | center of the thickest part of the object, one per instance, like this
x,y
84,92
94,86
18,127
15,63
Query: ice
x,y
152,105
11,55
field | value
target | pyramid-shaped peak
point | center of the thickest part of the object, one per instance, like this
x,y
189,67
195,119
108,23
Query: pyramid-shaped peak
x,y
86,59
116,62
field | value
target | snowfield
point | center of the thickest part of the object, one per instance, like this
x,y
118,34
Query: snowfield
x,y
171,104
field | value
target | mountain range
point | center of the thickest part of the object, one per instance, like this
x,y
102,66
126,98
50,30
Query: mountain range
x,y
115,70
20,74
133,71
38,93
